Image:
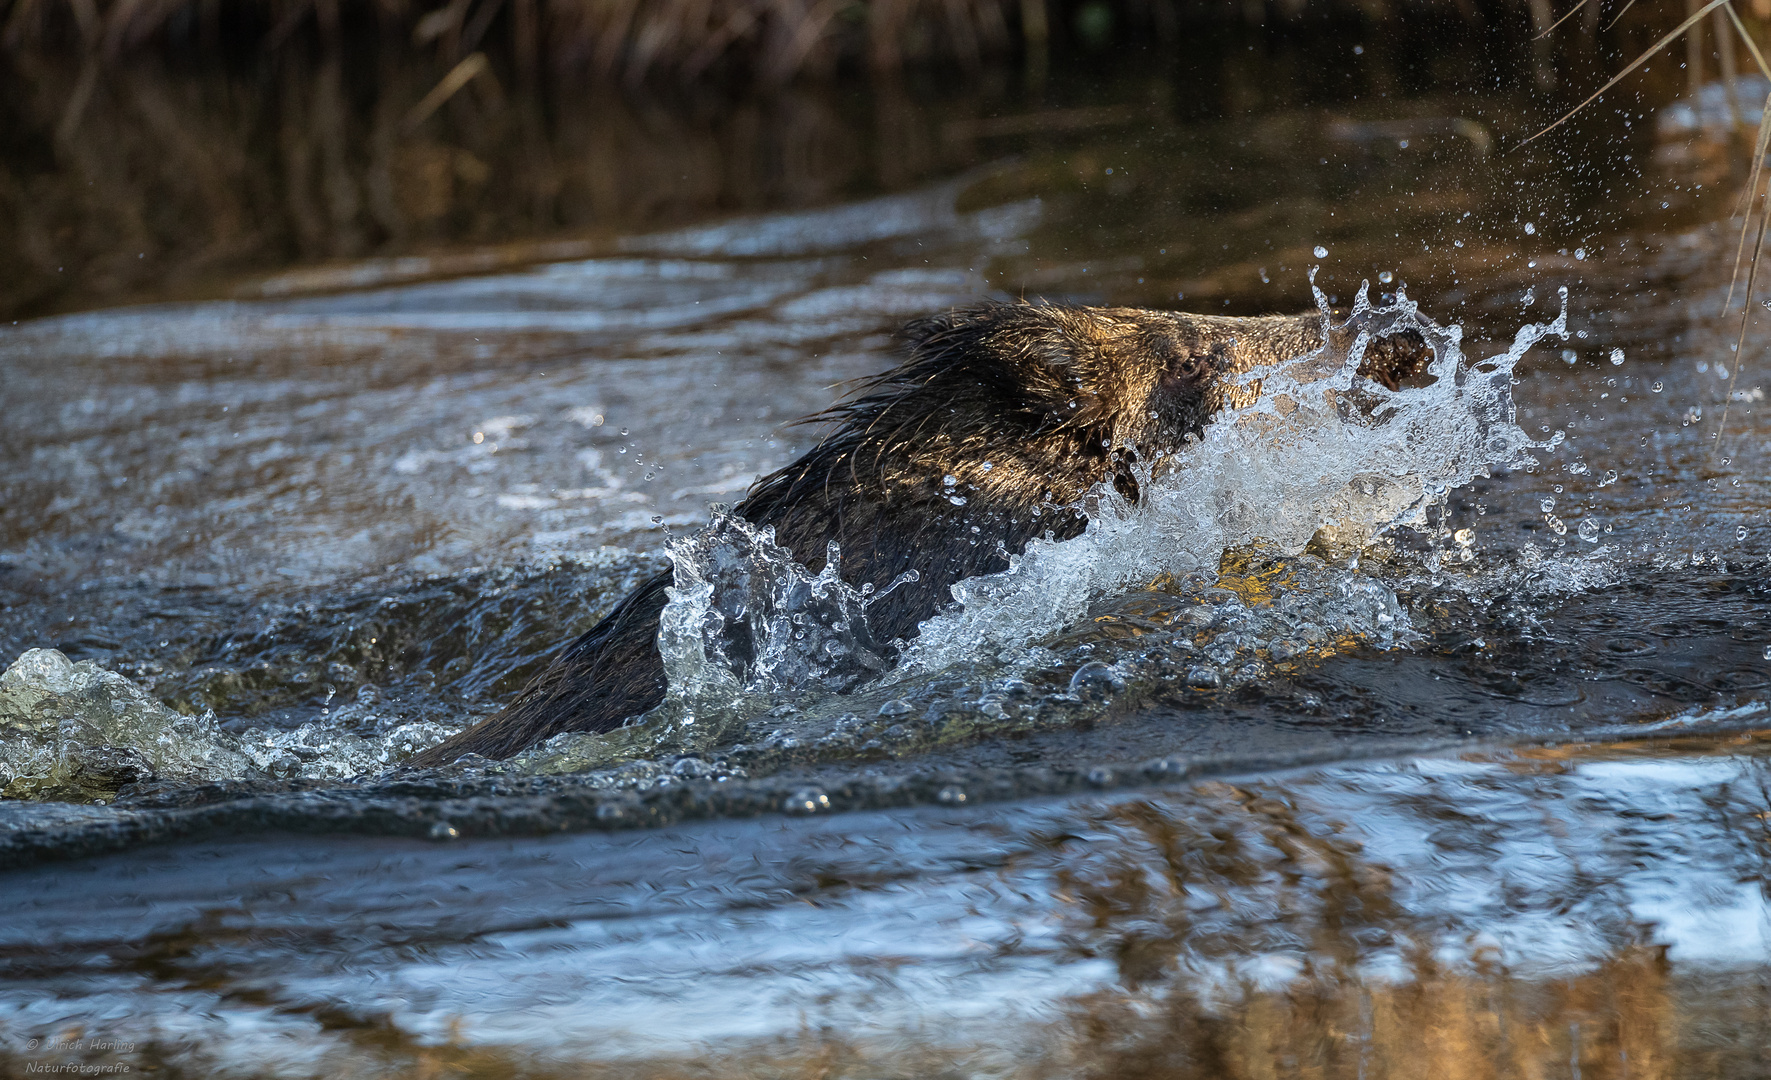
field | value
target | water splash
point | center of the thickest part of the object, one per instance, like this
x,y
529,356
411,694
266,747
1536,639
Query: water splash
x,y
77,732
744,616
1321,453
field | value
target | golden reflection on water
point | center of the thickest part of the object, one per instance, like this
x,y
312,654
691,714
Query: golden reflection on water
x,y
1254,929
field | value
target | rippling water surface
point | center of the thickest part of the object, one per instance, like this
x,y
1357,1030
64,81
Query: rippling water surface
x,y
1484,795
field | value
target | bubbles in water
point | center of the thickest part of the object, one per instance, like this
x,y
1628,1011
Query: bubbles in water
x,y
1616,357
1321,252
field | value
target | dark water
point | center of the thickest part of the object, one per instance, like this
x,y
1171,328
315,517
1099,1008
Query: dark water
x,y
1487,802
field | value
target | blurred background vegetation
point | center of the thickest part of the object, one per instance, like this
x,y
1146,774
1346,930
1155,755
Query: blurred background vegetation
x,y
156,148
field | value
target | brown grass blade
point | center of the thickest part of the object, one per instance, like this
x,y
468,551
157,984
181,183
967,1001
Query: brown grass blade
x,y
1563,19
1620,14
1752,192
1746,311
459,76
1746,308
1751,45
1695,18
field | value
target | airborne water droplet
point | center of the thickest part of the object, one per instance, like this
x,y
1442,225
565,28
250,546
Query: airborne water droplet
x,y
1658,386
1616,357
1321,252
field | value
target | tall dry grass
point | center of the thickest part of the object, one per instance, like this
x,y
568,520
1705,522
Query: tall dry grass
x,y
678,40
626,40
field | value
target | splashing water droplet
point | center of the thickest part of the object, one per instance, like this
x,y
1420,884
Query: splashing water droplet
x,y
1616,357
1589,530
1321,252
1386,277
1740,532
1530,229
1658,386
1548,504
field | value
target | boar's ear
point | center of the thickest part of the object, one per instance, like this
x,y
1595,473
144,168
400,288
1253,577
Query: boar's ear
x,y
1042,354
957,338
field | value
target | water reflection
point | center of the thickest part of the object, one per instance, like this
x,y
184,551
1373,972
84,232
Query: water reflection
x,y
164,183
1599,907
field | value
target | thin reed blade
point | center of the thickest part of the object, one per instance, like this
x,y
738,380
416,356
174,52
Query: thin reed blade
x,y
1752,192
1695,18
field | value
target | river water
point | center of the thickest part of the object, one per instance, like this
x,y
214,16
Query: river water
x,y
1484,794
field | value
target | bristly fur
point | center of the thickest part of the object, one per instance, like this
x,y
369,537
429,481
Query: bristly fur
x,y
998,421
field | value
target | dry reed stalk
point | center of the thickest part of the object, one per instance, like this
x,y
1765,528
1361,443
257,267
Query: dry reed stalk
x,y
632,40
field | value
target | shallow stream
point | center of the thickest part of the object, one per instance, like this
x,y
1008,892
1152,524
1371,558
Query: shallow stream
x,y
1475,774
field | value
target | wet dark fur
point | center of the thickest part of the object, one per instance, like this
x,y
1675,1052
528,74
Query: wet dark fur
x,y
1027,406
